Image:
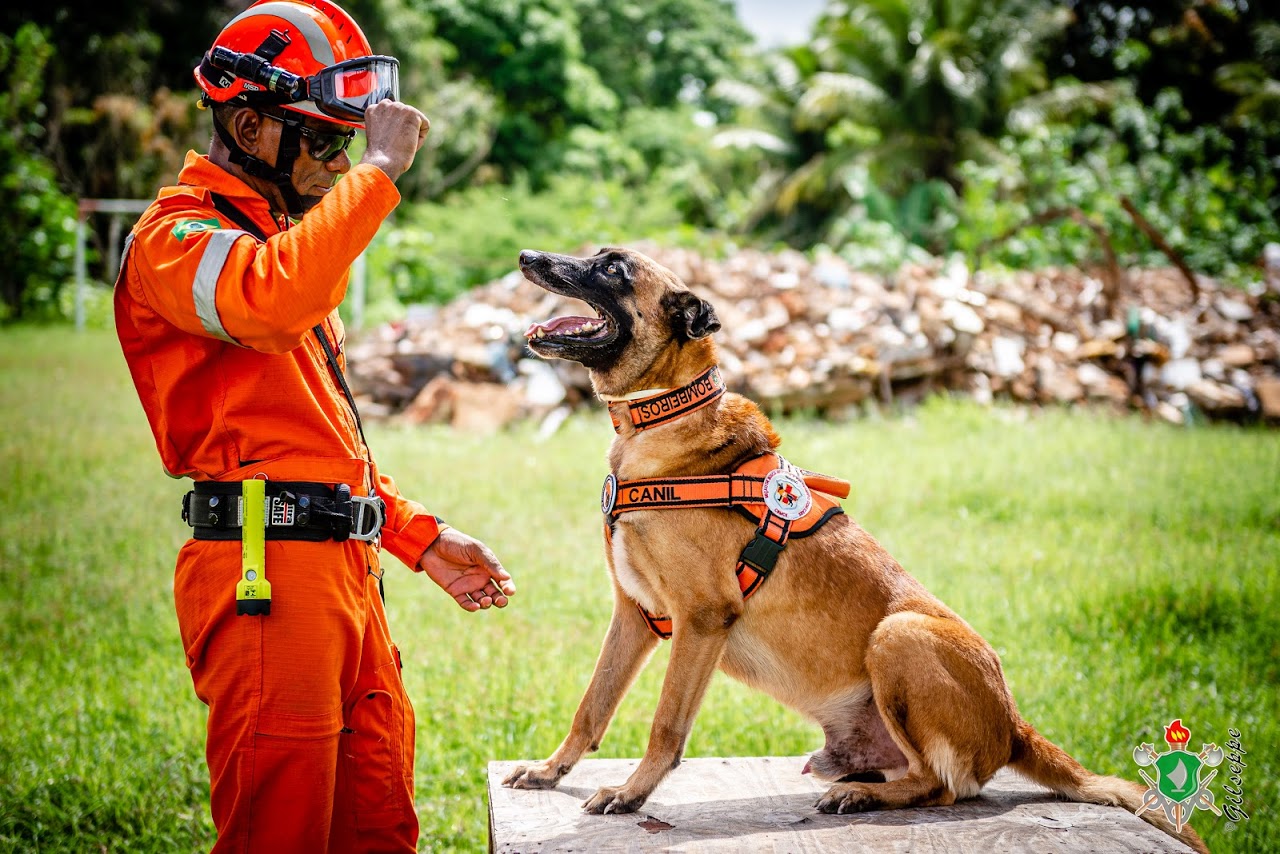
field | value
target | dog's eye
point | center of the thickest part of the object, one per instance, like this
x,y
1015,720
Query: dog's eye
x,y
612,269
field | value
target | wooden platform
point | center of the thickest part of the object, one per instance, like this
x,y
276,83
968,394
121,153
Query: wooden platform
x,y
765,805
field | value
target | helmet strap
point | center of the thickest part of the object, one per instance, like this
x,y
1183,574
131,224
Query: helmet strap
x,y
281,174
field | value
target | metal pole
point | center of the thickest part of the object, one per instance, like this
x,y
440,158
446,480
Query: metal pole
x,y
113,247
81,283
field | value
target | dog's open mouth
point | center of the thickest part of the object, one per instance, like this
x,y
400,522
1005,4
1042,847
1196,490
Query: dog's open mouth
x,y
569,328
578,337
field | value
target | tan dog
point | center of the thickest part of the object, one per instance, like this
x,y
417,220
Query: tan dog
x,y
912,700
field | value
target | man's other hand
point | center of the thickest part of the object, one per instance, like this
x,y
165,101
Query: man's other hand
x,y
393,134
467,570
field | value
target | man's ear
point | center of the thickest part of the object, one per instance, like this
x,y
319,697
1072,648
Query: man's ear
x,y
692,317
248,128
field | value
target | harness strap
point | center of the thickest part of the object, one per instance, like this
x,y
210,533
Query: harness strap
x,y
780,498
757,560
657,493
661,408
760,556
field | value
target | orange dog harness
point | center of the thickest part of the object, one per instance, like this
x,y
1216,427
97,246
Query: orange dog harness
x,y
783,500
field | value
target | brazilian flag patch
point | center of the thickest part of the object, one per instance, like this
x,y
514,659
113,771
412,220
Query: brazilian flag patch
x,y
195,226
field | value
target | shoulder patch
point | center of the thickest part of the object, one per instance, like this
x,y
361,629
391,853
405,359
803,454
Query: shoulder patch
x,y
195,226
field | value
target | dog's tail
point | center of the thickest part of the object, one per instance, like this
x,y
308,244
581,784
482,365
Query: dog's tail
x,y
1039,759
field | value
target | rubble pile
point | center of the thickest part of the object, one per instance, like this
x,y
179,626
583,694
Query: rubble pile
x,y
820,336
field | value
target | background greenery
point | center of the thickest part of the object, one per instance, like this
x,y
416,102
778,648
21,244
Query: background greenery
x,y
1127,573
900,127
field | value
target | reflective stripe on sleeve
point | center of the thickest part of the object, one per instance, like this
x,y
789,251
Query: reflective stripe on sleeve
x,y
124,258
205,285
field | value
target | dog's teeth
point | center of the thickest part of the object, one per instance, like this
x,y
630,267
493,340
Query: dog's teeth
x,y
541,334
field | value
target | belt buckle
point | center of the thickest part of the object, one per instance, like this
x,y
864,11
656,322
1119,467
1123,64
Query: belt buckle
x,y
367,517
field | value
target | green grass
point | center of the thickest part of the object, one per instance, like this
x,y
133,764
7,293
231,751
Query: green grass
x,y
1126,572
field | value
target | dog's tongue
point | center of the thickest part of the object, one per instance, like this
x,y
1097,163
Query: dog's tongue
x,y
807,767
566,322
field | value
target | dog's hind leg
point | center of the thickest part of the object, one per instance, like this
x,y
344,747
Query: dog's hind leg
x,y
944,701
858,744
627,646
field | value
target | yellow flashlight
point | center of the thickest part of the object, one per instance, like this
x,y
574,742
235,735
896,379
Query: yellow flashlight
x,y
253,592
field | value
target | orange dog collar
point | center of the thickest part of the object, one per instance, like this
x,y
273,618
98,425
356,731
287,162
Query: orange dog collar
x,y
667,406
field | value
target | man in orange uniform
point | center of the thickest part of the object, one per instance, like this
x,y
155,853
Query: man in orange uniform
x,y
226,311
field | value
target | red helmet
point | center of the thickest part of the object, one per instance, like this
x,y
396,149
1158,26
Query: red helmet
x,y
303,37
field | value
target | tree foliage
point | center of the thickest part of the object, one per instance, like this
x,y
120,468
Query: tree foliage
x,y
899,127
655,53
559,69
922,122
872,118
530,56
1213,202
37,217
118,92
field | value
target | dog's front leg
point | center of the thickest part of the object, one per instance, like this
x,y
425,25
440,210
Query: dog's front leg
x,y
627,646
697,644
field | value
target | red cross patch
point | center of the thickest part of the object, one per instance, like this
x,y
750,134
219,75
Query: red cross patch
x,y
786,495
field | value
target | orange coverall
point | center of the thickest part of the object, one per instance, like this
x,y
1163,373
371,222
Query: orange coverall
x,y
310,733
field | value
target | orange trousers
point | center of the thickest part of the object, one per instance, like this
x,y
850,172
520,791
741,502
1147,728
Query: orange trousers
x,y
310,734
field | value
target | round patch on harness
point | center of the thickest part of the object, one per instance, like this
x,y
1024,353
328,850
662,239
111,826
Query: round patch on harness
x,y
608,494
786,495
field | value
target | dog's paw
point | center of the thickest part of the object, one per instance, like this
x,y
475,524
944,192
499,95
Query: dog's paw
x,y
847,798
541,775
613,799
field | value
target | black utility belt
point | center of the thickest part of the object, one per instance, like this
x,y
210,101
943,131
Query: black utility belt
x,y
294,511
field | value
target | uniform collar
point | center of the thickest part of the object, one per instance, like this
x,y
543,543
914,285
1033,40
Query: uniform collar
x,y
201,172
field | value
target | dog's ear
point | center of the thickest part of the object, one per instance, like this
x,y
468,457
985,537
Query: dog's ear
x,y
691,317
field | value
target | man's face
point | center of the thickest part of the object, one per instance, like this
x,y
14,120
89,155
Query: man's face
x,y
312,178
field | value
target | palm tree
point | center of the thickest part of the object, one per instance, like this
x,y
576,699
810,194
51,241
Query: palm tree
x,y
890,96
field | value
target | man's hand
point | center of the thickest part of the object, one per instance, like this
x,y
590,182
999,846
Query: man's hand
x,y
393,134
467,570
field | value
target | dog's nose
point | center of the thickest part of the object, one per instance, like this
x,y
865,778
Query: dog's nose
x,y
528,256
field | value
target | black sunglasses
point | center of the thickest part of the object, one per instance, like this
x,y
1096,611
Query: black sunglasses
x,y
322,146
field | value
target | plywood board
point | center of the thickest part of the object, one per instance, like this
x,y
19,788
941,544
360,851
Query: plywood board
x,y
766,805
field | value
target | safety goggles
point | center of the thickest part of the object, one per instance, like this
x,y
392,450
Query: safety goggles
x,y
320,145
347,89
342,91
